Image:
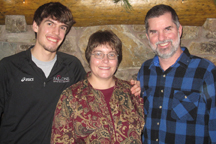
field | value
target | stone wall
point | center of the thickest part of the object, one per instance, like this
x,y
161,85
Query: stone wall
x,y
16,36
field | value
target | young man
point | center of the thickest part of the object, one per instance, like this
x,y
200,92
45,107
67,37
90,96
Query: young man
x,y
31,81
178,88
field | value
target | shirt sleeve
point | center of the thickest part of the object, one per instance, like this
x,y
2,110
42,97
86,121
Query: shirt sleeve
x,y
79,72
139,104
210,92
3,90
62,127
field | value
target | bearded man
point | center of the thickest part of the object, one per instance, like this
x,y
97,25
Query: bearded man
x,y
178,88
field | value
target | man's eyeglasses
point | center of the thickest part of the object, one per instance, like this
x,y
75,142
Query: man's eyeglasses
x,y
100,55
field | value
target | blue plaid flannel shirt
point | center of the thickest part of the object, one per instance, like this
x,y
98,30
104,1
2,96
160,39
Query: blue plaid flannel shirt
x,y
179,103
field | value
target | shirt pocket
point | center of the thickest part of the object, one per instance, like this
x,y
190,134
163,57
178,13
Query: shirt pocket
x,y
184,106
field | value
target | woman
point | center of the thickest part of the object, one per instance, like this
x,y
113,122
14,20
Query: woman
x,y
101,108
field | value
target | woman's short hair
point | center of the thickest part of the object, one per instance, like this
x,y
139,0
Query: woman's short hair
x,y
106,37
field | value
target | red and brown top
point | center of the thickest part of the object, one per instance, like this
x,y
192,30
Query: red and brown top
x,y
82,116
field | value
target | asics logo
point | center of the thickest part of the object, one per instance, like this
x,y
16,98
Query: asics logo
x,y
27,79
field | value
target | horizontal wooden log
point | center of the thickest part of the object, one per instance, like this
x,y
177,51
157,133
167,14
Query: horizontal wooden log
x,y
106,12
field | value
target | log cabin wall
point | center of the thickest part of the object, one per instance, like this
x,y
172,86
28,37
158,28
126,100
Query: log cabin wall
x,y
199,36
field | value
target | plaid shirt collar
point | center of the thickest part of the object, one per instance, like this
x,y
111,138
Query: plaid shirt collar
x,y
183,60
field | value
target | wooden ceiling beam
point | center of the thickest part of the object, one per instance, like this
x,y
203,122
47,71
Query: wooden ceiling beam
x,y
106,12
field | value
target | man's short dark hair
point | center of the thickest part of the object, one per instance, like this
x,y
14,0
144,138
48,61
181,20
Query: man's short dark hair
x,y
56,11
159,10
106,37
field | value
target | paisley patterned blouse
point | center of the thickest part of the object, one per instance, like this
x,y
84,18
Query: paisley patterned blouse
x,y
82,116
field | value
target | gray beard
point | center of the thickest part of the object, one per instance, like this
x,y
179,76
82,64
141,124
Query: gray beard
x,y
173,49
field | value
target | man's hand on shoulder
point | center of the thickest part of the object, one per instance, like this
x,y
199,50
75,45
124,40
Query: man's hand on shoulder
x,y
136,90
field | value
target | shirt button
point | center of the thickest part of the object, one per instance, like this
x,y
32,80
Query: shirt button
x,y
164,75
185,96
160,107
156,139
142,92
162,91
158,123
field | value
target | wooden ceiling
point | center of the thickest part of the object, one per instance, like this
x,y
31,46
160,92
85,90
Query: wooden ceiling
x,y
106,12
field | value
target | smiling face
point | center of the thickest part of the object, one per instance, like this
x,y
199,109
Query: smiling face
x,y
103,68
164,36
50,34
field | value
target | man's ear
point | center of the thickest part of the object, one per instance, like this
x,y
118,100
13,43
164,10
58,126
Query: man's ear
x,y
35,27
180,30
147,36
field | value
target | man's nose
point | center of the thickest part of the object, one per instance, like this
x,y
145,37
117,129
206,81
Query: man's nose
x,y
161,36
